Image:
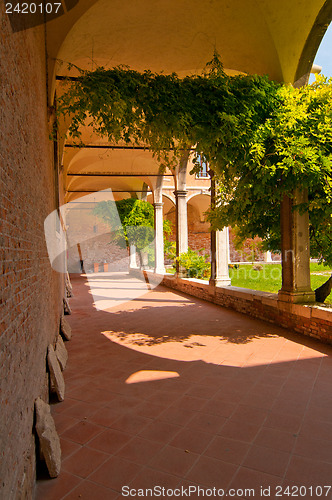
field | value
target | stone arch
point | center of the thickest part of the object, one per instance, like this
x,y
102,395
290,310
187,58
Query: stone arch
x,y
198,227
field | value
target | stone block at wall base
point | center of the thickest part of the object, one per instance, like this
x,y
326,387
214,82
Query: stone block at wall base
x,y
49,440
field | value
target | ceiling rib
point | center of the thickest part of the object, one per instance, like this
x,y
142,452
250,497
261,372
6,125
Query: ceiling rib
x,y
100,174
113,190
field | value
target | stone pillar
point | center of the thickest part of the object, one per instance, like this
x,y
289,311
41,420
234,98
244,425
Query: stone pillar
x,y
213,235
181,226
132,257
267,256
222,258
219,248
295,251
159,266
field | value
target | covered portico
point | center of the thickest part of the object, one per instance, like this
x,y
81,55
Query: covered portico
x,y
251,39
168,390
40,173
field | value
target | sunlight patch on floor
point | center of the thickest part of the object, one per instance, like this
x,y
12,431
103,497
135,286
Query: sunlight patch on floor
x,y
150,375
110,290
216,350
210,349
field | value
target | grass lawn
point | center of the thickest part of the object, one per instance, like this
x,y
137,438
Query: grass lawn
x,y
268,279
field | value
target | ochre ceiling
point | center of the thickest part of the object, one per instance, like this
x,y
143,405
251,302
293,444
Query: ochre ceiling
x,y
274,37
252,36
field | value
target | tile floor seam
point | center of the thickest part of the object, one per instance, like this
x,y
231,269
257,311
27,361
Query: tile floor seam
x,y
201,455
285,373
292,454
86,442
68,456
148,464
151,469
327,462
289,374
263,472
72,489
115,454
87,477
249,448
94,482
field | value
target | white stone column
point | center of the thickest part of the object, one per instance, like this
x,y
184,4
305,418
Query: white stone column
x,y
182,221
132,257
181,209
267,256
181,228
222,258
219,248
159,265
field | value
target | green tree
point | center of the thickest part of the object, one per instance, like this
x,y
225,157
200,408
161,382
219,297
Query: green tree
x,y
290,149
261,138
137,222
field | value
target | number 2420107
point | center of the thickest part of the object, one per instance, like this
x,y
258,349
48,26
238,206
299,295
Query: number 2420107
x,y
33,8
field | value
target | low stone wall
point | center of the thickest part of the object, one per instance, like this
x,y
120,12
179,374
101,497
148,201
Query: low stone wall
x,y
312,320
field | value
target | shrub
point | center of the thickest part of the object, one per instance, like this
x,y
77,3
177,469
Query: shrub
x,y
194,263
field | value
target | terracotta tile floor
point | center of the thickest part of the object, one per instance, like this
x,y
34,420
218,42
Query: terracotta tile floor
x,y
168,390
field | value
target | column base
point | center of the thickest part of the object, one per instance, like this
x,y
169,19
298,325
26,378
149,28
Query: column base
x,y
133,267
220,282
181,274
296,297
161,270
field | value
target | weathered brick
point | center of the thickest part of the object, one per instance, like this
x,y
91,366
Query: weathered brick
x,y
30,304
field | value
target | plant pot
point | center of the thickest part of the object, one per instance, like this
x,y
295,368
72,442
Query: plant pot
x,y
105,267
96,267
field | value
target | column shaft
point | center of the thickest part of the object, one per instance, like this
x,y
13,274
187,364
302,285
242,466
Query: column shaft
x,y
132,257
159,239
295,251
219,248
181,225
222,258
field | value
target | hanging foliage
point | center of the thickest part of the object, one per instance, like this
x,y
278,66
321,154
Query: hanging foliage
x,y
292,148
213,113
261,138
136,219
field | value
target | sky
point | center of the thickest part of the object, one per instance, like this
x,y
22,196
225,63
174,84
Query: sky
x,y
324,55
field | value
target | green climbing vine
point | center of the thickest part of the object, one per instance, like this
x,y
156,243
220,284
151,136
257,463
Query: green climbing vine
x,y
212,113
261,138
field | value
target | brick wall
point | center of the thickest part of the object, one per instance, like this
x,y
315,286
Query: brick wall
x,y
96,243
198,232
312,320
30,291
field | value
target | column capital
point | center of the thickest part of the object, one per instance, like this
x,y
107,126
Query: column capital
x,y
180,193
158,204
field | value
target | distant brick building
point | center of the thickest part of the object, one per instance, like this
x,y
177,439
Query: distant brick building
x,y
39,174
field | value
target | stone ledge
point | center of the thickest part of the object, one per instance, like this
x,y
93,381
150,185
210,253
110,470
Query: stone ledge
x,y
309,319
321,313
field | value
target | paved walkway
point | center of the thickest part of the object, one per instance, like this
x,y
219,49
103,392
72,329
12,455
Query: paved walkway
x,y
171,391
